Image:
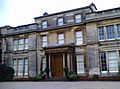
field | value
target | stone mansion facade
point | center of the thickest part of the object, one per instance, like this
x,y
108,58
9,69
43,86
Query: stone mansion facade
x,y
84,40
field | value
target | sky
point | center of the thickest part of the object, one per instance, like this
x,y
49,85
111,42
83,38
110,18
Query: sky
x,y
20,12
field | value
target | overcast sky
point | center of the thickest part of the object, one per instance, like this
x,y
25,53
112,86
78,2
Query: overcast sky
x,y
20,12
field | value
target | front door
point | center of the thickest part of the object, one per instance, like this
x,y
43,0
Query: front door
x,y
57,65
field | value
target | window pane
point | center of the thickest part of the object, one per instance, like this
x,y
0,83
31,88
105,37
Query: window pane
x,y
113,61
61,38
44,38
44,41
118,30
80,64
20,67
60,21
15,45
26,46
103,61
26,40
101,33
43,63
112,55
77,18
21,47
110,32
79,39
44,24
15,66
26,67
21,41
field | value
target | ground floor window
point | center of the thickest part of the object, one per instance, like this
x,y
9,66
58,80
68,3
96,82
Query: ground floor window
x,y
20,66
80,63
109,61
103,62
113,61
43,63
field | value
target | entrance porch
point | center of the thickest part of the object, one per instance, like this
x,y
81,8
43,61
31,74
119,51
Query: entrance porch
x,y
58,58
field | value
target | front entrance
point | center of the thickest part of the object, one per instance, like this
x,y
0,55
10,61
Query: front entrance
x,y
57,65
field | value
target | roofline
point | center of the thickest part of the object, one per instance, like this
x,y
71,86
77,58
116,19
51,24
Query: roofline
x,y
104,10
26,25
64,11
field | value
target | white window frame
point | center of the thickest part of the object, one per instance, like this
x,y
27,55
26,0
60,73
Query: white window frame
x,y
109,33
44,42
80,62
44,24
43,63
118,30
103,53
26,41
79,38
21,45
102,34
24,65
15,66
61,38
20,65
78,18
113,59
15,44
60,21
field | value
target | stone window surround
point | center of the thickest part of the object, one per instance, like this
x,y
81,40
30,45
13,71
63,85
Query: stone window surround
x,y
107,60
78,71
23,67
25,43
77,20
79,37
44,43
59,22
44,24
105,32
61,39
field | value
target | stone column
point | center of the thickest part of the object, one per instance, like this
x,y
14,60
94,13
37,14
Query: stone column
x,y
68,61
49,65
63,62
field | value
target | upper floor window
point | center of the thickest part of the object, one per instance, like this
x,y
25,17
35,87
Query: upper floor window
x,y
15,43
110,32
78,18
101,33
79,38
118,30
44,41
60,21
44,24
61,38
20,44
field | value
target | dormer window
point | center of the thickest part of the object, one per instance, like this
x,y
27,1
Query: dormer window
x,y
60,21
44,24
77,18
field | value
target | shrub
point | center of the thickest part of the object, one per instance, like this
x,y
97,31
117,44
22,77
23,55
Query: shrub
x,y
95,77
66,70
73,77
6,73
40,77
70,75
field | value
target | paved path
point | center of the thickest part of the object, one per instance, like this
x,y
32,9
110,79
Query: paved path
x,y
61,85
